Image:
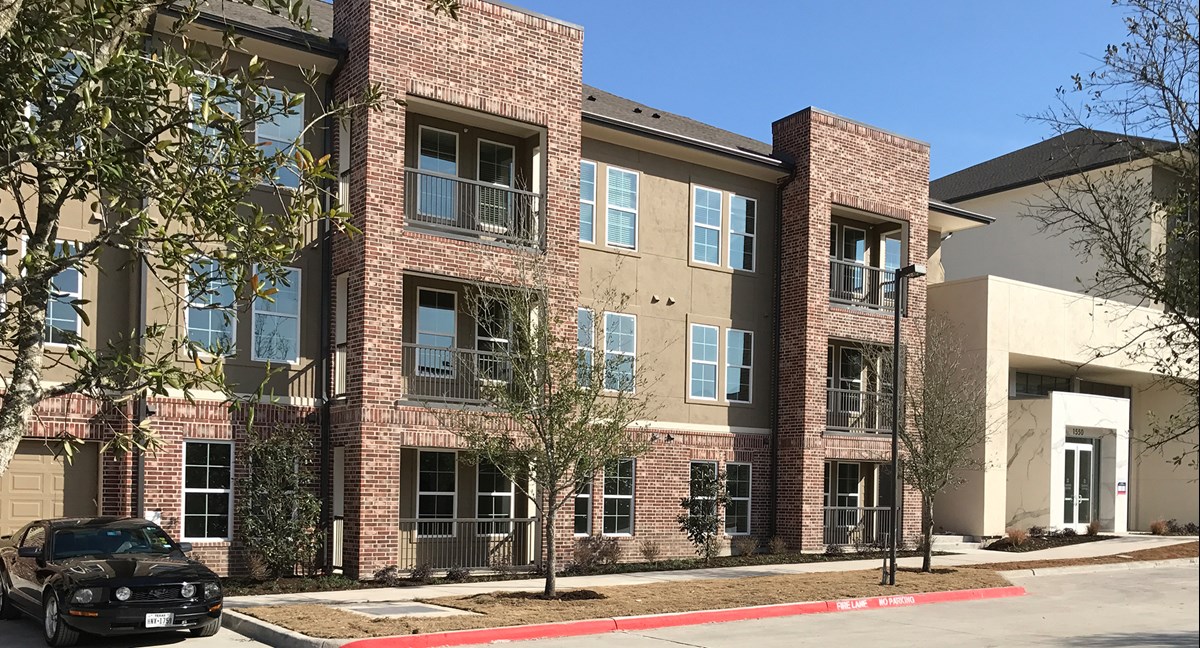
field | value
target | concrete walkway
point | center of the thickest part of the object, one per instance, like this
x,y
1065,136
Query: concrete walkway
x,y
1119,545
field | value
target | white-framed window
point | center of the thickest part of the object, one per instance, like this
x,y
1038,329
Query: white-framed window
x,y
64,326
275,323
587,201
706,226
437,196
344,130
211,314
622,208
208,134
585,344
620,351
583,508
437,480
493,500
282,132
848,480
493,334
737,489
496,165
437,332
739,364
701,473
207,490
341,346
850,372
702,366
618,497
743,214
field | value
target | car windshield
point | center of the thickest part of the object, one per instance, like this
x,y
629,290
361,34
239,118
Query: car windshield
x,y
73,543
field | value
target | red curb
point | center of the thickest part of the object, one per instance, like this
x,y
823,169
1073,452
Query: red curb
x,y
652,621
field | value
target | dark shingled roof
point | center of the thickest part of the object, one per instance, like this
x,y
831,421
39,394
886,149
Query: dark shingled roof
x,y
609,106
256,21
1059,156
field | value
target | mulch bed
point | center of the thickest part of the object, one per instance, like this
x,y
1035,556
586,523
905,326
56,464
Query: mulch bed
x,y
1182,550
1037,543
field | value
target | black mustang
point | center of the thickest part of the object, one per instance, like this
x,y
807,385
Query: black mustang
x,y
105,576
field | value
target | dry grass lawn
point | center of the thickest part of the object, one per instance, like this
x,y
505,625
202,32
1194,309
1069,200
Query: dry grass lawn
x,y
519,608
1183,550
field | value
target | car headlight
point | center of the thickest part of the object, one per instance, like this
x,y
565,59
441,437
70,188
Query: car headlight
x,y
187,590
85,595
123,593
212,590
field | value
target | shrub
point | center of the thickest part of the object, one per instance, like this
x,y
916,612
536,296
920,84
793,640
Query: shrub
x,y
1068,533
389,576
650,549
834,550
744,545
777,545
593,551
1158,527
1173,527
422,573
1017,537
1093,528
1037,531
458,574
1191,529
700,520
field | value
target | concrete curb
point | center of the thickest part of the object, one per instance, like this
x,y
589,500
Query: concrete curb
x,y
1085,569
273,635
600,626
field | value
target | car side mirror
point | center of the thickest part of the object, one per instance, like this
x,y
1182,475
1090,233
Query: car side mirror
x,y
29,552
185,546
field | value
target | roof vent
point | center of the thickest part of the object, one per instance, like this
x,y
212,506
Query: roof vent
x,y
591,97
637,110
656,115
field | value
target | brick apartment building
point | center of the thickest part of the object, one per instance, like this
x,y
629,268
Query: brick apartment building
x,y
758,274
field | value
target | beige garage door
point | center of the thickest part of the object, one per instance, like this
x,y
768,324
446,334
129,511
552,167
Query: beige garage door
x,y
39,485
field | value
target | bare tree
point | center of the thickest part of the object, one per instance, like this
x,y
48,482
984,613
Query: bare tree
x,y
1137,218
554,411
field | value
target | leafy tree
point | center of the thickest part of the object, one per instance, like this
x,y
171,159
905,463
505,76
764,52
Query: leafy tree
x,y
550,414
1143,97
149,133
279,513
701,518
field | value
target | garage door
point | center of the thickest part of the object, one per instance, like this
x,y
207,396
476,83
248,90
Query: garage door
x,y
39,485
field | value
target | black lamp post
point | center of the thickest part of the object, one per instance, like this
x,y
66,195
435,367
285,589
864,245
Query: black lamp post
x,y
916,270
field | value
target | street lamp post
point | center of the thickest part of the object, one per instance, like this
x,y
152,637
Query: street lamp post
x,y
916,270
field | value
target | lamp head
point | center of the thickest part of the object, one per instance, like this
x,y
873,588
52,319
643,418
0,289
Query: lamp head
x,y
915,270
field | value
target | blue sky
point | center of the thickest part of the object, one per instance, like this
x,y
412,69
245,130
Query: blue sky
x,y
961,75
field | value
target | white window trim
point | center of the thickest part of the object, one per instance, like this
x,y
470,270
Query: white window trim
x,y
593,202
696,189
453,495
588,496
632,503
591,348
866,260
454,209
185,490
749,499
258,137
454,335
341,292
187,315
716,472
54,294
729,365
512,501
343,157
753,237
715,364
254,313
512,173
637,202
633,388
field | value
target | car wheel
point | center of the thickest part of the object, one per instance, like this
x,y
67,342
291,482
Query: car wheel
x,y
57,633
7,609
207,629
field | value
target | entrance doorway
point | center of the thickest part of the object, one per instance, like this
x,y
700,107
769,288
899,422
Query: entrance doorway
x,y
1079,480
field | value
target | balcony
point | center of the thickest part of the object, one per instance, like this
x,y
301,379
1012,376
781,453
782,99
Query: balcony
x,y
856,284
448,375
482,210
854,411
862,527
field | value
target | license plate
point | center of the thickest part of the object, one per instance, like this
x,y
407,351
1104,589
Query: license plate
x,y
159,619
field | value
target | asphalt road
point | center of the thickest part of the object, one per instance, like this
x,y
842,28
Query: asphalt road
x,y
27,633
1136,607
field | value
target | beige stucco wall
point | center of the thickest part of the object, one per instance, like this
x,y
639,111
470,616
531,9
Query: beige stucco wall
x,y
1158,489
1029,462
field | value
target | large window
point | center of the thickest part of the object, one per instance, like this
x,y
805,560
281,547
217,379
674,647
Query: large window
x,y
846,494
436,333
436,481
742,232
737,488
496,167
620,351
211,311
587,201
341,345
281,133
583,508
494,500
622,214
1031,384
703,474
207,490
739,361
63,323
706,226
225,112
276,321
493,334
704,350
436,196
618,497
585,345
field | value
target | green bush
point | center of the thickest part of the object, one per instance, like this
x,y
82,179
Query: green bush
x,y
700,519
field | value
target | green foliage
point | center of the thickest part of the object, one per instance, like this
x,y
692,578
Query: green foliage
x,y
701,519
278,511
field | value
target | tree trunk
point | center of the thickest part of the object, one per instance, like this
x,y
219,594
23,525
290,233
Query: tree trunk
x,y
24,384
551,589
926,534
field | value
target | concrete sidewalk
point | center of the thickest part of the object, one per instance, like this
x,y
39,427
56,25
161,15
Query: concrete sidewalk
x,y
1119,545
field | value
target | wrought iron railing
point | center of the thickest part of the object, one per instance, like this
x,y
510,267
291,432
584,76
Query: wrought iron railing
x,y
861,527
474,543
851,410
861,285
485,210
445,374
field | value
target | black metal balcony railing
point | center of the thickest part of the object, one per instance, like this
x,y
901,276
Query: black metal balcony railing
x,y
861,285
475,543
474,208
858,526
451,375
851,410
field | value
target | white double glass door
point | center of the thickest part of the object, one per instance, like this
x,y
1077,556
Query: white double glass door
x,y
1078,483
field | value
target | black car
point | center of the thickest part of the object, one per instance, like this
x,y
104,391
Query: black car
x,y
105,576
